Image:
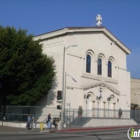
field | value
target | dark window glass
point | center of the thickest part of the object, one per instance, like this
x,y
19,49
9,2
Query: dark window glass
x,y
88,63
109,69
99,66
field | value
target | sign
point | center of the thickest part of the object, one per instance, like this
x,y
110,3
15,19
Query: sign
x,y
132,133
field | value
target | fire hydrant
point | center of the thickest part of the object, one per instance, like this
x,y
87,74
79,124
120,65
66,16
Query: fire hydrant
x,y
41,126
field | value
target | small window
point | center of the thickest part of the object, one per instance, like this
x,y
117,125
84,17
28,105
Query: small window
x,y
109,69
88,63
99,67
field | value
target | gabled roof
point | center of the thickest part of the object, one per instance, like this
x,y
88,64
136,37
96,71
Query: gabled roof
x,y
67,30
102,84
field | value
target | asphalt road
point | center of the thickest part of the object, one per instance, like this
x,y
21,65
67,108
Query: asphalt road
x,y
119,134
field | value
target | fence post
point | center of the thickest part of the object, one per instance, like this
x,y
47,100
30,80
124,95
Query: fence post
x,y
135,114
73,116
66,117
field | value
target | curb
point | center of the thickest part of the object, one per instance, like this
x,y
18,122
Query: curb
x,y
93,128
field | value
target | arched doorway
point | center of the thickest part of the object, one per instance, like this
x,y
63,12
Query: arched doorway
x,y
112,106
90,104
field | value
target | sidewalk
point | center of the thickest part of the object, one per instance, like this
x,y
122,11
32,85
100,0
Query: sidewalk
x,y
5,129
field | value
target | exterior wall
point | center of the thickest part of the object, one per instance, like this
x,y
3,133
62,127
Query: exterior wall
x,y
54,48
98,44
135,91
124,87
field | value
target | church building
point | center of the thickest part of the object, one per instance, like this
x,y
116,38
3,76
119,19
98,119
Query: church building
x,y
91,69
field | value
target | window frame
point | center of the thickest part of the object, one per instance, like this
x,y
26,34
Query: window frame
x,y
88,63
109,68
99,66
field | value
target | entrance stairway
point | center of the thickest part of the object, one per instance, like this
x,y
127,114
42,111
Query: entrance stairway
x,y
97,122
81,121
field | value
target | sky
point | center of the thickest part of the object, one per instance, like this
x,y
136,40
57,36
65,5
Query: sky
x,y
120,17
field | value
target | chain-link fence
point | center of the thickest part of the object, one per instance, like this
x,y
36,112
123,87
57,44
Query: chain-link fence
x,y
20,113
71,116
135,114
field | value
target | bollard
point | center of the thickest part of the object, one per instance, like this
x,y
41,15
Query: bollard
x,y
59,125
41,126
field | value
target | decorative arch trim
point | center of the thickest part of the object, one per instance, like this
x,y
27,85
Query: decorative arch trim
x,y
101,55
111,58
91,94
89,60
104,84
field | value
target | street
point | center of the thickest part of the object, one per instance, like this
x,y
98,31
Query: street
x,y
118,134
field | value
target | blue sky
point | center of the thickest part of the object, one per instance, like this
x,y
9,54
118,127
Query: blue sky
x,y
120,17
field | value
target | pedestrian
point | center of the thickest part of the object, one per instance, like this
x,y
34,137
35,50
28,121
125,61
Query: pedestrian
x,y
29,120
49,121
120,113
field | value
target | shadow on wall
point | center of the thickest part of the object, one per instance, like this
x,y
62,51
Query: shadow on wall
x,y
48,99
44,105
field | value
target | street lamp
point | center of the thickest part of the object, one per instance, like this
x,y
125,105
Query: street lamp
x,y
65,91
63,85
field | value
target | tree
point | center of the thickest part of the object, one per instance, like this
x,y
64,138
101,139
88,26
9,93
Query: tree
x,y
26,74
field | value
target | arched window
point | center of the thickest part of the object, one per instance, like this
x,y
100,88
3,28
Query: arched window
x,y
109,69
99,67
88,63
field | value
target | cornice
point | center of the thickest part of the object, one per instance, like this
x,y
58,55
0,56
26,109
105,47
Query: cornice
x,y
75,30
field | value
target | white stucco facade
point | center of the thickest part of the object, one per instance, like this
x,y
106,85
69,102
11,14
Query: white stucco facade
x,y
84,88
